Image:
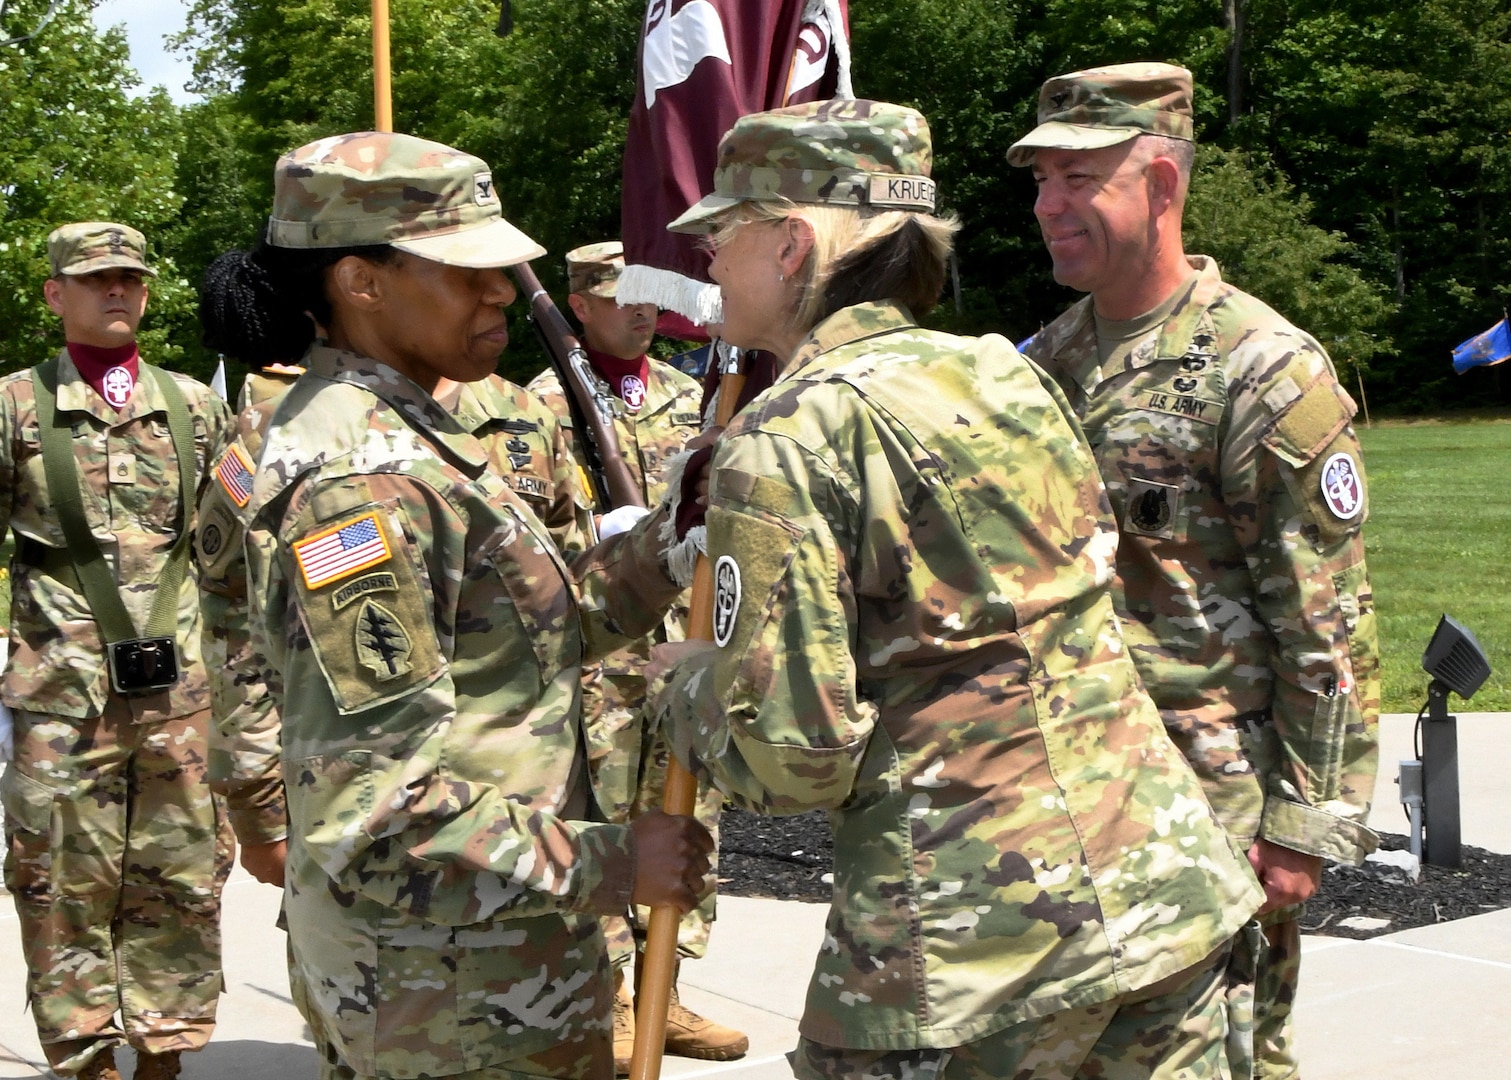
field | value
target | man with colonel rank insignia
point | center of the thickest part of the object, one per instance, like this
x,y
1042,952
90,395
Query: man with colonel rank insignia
x,y
116,849
1229,454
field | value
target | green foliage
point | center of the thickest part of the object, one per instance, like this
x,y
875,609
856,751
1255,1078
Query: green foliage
x,y
1436,545
74,147
1256,225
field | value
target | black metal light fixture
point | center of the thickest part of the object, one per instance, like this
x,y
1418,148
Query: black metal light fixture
x,y
1457,665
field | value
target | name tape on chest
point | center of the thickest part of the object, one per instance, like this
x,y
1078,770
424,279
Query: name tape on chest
x,y
342,550
234,474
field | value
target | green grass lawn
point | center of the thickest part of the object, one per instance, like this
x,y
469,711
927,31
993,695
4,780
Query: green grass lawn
x,y
1439,542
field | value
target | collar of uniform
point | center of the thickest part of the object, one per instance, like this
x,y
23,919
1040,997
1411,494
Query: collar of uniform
x,y
76,395
1175,336
854,323
417,407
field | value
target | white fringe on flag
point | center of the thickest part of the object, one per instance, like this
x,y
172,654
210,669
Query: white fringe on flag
x,y
699,301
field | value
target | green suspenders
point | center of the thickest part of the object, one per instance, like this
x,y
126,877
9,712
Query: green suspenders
x,y
137,664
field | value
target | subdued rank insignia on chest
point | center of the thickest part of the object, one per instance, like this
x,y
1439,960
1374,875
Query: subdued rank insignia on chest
x,y
1151,508
342,550
517,445
234,474
726,599
518,461
383,645
1342,489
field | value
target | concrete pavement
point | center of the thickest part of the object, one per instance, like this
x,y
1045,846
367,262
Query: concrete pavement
x,y
1435,1001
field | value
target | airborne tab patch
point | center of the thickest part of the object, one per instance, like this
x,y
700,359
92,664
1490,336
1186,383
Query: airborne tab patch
x,y
342,550
234,473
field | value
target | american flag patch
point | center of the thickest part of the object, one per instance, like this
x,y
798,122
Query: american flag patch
x,y
341,551
235,475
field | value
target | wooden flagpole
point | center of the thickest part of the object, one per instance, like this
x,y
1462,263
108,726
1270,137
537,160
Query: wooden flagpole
x,y
382,72
653,993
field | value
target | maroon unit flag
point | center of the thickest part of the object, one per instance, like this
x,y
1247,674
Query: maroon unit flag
x,y
702,65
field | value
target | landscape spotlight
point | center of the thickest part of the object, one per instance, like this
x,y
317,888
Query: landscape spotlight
x,y
1457,665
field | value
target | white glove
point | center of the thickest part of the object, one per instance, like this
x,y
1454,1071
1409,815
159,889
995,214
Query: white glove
x,y
620,519
7,734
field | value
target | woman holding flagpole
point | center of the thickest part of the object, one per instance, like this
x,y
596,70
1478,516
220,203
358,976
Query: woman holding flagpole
x,y
424,638
913,630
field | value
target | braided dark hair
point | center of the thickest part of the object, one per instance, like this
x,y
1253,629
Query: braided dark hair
x,y
262,306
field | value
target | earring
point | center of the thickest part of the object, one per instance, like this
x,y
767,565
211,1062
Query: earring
x,y
781,278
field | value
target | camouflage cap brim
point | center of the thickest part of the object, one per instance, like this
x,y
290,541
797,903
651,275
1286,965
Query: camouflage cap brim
x,y
497,243
108,262
700,216
1060,136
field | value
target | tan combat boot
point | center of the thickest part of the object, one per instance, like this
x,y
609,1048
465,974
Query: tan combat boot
x,y
693,1036
624,1025
156,1066
100,1067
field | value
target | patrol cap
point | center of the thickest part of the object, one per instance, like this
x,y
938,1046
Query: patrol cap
x,y
844,152
378,187
595,268
86,246
1105,106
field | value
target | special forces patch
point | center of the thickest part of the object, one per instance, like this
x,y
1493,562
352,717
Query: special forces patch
x,y
1342,489
1151,508
726,598
383,645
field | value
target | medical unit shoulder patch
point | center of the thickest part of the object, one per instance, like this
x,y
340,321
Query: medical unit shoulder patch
x,y
342,550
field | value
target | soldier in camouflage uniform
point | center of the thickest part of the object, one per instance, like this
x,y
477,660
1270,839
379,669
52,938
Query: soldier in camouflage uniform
x,y
424,639
656,413
116,849
1229,454
912,556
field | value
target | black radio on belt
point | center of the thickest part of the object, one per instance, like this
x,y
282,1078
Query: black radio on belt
x,y
143,665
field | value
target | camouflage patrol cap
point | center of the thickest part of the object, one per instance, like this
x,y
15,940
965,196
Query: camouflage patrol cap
x,y
86,246
595,268
1106,106
845,152
377,187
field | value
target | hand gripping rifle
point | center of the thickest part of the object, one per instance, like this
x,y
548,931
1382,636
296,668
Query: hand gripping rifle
x,y
591,407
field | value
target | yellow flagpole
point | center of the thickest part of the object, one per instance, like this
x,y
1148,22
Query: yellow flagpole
x,y
382,71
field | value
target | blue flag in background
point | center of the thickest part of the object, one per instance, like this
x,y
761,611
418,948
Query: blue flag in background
x,y
1491,347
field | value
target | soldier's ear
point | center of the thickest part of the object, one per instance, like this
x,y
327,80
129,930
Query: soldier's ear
x,y
1164,184
797,242
52,292
356,282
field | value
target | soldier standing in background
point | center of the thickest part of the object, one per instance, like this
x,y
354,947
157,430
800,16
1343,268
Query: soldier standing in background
x,y
1228,451
116,849
656,413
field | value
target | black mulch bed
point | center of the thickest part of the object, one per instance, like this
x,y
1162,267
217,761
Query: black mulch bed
x,y
787,858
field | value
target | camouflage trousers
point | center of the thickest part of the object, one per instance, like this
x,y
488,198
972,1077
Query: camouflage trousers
x,y
589,1057
116,853
1176,1029
1275,994
629,779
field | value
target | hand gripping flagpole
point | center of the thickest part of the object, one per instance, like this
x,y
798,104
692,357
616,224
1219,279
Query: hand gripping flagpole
x,y
653,996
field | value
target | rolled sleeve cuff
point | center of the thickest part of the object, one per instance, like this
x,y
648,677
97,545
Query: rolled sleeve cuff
x,y
1316,832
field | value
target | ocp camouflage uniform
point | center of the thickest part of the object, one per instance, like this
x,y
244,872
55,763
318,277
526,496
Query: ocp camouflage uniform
x,y
442,891
1229,455
629,772
116,849
912,556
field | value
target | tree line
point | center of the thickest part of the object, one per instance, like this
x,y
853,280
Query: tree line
x,y
1352,169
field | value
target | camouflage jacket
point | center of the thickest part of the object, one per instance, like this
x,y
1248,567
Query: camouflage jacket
x,y
425,637
1233,469
913,557
528,451
129,475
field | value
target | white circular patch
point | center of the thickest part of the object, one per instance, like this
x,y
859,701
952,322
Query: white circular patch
x,y
632,390
117,386
726,599
1342,488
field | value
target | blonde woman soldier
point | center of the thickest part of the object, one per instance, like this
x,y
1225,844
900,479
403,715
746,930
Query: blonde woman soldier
x,y
914,631
423,640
